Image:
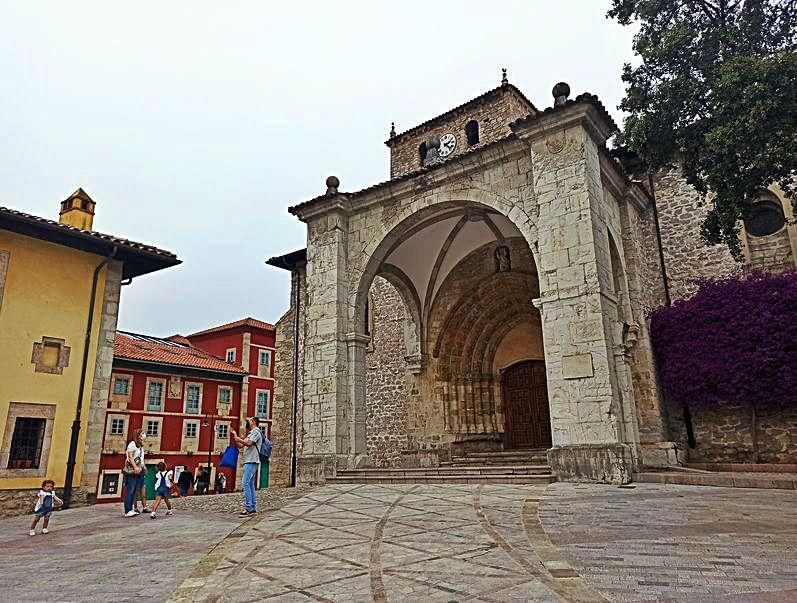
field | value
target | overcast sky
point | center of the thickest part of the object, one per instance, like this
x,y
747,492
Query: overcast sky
x,y
194,125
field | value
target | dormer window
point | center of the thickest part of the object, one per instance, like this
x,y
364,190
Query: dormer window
x,y
472,132
422,152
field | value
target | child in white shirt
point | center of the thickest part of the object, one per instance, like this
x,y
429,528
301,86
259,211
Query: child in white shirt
x,y
163,486
45,502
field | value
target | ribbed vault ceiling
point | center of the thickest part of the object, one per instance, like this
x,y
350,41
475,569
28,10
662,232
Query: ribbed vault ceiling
x,y
434,247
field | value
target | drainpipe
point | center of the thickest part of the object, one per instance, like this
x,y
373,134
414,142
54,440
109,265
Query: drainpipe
x,y
295,376
667,299
687,414
70,463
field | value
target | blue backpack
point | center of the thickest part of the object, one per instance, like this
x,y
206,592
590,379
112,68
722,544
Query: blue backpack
x,y
265,448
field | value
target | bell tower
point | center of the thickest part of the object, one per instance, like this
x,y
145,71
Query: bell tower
x,y
78,210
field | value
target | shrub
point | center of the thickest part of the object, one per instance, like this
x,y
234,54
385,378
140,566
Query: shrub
x,y
734,341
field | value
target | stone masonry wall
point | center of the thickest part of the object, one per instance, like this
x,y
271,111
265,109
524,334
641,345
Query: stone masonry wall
x,y
687,255
282,404
492,116
736,434
772,253
386,379
723,434
21,502
98,404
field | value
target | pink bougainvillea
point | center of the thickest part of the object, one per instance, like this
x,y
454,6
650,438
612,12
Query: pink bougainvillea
x,y
734,341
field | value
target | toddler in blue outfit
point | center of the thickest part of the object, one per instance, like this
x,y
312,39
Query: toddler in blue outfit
x,y
163,487
45,502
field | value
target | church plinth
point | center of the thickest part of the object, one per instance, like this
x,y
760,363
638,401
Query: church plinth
x,y
605,463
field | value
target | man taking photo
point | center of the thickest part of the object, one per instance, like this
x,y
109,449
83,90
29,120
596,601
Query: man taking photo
x,y
251,462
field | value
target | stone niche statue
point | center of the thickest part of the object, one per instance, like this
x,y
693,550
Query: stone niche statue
x,y
503,263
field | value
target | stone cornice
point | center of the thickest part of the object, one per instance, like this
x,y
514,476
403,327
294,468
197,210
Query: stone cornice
x,y
581,112
409,185
618,183
331,203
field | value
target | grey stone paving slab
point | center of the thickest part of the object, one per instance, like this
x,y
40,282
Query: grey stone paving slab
x,y
677,543
93,553
384,542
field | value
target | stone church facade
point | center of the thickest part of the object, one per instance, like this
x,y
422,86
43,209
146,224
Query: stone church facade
x,y
493,295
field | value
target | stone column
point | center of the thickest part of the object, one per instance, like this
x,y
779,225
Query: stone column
x,y
357,344
587,433
329,417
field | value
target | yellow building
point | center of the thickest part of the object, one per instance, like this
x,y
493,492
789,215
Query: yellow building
x,y
59,298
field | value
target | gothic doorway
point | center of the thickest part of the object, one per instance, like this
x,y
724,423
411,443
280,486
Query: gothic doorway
x,y
527,422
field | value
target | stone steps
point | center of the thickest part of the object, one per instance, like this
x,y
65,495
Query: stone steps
x,y
750,479
472,470
470,473
504,458
345,477
746,467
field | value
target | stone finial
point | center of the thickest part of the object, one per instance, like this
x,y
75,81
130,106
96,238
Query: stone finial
x,y
332,185
504,81
560,93
392,129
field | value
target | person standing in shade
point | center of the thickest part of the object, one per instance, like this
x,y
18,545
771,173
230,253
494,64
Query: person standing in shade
x,y
221,482
251,461
184,482
202,482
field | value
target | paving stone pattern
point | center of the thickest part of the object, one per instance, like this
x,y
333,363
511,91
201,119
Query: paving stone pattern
x,y
419,542
677,543
93,553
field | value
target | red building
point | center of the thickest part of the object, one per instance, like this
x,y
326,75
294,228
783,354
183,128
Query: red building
x,y
250,344
187,397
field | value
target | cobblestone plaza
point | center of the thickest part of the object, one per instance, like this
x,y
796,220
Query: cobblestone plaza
x,y
354,542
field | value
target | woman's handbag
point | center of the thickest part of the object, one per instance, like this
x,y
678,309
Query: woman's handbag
x,y
129,469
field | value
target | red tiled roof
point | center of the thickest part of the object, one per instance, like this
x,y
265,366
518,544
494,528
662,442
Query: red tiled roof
x,y
172,351
244,322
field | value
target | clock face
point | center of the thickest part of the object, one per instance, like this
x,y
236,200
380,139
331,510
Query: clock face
x,y
447,144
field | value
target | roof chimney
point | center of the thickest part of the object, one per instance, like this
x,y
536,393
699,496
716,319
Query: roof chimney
x,y
77,210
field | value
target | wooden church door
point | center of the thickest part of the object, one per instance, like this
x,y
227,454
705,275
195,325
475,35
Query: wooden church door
x,y
527,421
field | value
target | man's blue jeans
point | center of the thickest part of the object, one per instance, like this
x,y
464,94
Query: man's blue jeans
x,y
248,482
133,484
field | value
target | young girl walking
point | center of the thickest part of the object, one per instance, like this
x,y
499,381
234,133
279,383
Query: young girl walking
x,y
45,502
163,487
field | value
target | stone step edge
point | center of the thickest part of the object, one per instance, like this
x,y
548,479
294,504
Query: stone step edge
x,y
498,454
472,465
728,480
746,467
446,479
509,469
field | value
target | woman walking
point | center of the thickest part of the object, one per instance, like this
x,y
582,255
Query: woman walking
x,y
134,472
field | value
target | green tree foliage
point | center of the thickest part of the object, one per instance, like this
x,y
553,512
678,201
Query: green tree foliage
x,y
716,92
